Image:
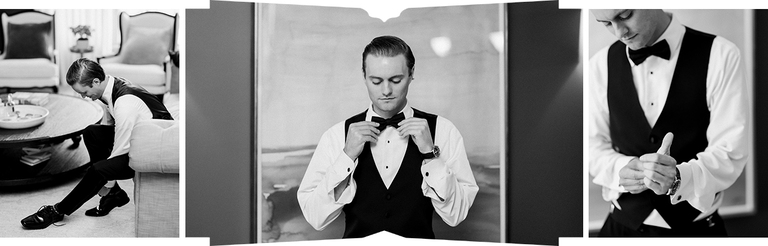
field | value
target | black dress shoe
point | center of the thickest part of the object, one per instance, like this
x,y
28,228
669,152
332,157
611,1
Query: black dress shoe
x,y
44,217
116,198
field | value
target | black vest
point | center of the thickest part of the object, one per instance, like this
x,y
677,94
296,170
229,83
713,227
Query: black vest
x,y
124,87
402,209
685,114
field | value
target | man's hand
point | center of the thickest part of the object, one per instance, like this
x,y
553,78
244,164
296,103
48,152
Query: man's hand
x,y
631,177
660,168
418,129
358,134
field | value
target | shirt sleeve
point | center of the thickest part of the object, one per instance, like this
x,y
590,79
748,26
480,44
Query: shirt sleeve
x,y
327,184
448,179
720,164
604,162
128,110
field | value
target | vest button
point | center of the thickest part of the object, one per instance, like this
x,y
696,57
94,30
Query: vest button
x,y
389,196
653,139
616,148
386,215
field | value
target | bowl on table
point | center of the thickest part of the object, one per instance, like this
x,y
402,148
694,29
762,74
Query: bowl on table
x,y
24,116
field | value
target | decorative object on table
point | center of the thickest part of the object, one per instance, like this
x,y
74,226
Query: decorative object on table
x,y
30,57
31,98
84,31
22,116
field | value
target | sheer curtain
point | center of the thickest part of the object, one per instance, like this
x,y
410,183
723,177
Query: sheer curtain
x,y
105,34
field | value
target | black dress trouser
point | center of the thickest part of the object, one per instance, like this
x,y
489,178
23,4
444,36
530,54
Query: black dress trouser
x,y
98,140
711,226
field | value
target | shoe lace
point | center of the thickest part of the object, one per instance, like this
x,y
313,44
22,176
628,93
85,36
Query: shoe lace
x,y
43,213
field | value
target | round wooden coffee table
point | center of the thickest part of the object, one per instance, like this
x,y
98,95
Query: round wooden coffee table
x,y
67,119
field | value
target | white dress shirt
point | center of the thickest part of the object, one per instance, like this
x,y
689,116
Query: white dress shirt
x,y
126,111
715,168
450,176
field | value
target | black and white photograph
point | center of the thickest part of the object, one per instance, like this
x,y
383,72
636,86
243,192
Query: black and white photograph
x,y
437,122
89,130
439,68
672,122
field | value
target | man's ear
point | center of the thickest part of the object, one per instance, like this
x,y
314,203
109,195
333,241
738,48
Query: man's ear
x,y
95,81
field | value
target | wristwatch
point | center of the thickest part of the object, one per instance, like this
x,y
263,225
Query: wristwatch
x,y
432,154
675,184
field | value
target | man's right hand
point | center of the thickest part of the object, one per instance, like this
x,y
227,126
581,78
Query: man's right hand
x,y
358,134
631,177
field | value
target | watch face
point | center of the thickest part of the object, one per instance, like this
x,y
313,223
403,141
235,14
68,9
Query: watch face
x,y
434,154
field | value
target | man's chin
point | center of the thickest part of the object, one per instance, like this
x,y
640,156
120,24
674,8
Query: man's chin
x,y
634,45
387,107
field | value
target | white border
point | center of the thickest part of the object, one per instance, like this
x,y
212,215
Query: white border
x,y
584,25
258,196
663,4
181,46
503,128
92,4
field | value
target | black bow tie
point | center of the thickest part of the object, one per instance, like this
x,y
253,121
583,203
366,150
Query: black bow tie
x,y
660,49
383,123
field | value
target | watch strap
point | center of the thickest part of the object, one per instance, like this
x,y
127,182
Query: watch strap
x,y
675,184
432,154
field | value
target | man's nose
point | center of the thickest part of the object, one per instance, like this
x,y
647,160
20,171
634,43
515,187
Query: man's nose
x,y
386,88
619,29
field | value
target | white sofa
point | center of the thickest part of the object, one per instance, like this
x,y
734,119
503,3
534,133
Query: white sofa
x,y
154,154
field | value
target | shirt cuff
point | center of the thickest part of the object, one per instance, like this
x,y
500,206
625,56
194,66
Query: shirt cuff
x,y
685,190
438,180
348,193
620,163
337,173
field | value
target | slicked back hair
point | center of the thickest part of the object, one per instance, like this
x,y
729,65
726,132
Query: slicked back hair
x,y
83,71
390,46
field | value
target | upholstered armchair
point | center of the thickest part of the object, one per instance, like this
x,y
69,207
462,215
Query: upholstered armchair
x,y
28,59
143,58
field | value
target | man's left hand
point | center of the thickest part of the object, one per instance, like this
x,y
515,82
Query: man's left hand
x,y
660,168
660,171
418,129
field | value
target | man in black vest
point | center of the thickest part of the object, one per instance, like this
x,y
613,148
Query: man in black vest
x,y
668,120
390,167
107,142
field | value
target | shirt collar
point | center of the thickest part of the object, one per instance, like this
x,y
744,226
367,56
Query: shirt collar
x,y
673,35
407,112
107,95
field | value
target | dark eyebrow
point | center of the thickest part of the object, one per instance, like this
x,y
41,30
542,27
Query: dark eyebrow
x,y
614,16
393,77
397,77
